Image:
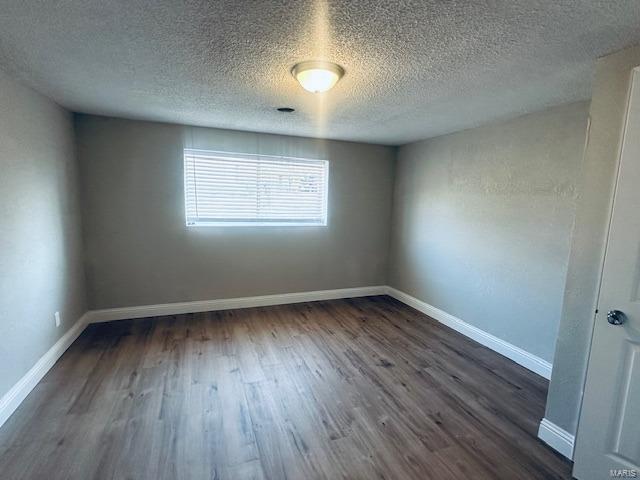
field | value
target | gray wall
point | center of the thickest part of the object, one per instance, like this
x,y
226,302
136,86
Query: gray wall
x,y
482,223
139,251
608,106
40,251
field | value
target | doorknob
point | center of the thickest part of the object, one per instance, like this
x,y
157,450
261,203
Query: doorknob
x,y
616,317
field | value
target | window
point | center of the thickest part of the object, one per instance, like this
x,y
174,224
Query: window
x,y
229,189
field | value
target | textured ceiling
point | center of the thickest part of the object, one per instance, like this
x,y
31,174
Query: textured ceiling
x,y
415,69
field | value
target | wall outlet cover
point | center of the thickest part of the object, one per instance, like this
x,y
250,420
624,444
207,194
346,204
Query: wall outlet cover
x,y
57,316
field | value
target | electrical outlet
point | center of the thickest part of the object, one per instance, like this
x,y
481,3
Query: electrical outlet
x,y
57,315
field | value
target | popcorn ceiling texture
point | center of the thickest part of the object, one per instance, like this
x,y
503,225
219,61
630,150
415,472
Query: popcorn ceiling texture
x,y
415,69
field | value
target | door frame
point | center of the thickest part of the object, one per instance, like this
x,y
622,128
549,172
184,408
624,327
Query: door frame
x,y
634,75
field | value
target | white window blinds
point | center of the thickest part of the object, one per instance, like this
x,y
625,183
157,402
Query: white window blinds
x,y
244,189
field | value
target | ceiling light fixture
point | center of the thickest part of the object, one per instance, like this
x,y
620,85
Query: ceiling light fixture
x,y
317,76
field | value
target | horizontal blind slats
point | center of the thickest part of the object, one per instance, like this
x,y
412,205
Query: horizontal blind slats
x,y
249,166
223,188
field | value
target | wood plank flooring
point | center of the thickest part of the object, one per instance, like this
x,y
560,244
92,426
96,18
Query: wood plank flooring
x,y
357,389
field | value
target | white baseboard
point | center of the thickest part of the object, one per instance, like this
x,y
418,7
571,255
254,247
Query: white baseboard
x,y
518,355
110,314
557,438
11,400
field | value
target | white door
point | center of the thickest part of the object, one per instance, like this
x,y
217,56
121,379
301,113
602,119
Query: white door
x,y
608,442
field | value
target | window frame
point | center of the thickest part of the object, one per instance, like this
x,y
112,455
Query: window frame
x,y
187,152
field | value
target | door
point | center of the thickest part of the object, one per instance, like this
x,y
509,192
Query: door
x,y
608,442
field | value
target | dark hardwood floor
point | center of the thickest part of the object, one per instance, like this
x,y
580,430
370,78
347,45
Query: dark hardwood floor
x,y
359,389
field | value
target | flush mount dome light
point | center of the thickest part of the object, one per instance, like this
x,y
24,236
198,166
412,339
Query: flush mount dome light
x,y
317,76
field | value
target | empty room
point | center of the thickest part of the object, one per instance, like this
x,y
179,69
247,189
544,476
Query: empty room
x,y
318,239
